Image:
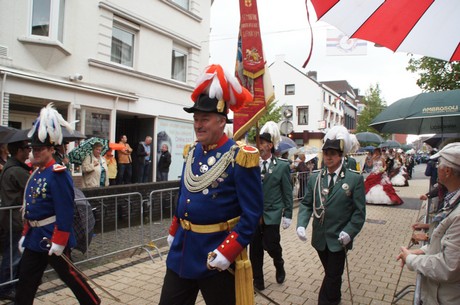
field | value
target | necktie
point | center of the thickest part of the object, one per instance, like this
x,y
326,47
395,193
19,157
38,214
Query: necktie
x,y
264,167
331,182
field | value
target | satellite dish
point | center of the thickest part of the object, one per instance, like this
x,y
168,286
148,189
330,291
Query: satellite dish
x,y
286,127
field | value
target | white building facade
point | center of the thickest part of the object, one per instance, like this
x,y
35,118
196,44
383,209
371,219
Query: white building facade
x,y
312,107
118,67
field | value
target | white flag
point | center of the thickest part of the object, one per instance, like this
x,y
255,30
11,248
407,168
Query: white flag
x,y
337,43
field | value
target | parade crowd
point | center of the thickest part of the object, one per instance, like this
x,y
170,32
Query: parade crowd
x,y
233,201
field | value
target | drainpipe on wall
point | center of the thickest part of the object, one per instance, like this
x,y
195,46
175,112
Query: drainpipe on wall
x,y
2,99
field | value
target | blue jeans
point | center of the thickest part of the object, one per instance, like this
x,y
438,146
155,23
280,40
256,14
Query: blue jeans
x,y
10,261
144,172
124,173
162,176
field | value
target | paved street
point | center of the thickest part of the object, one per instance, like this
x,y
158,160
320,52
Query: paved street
x,y
374,271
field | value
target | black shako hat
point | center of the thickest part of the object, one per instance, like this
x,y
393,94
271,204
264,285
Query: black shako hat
x,y
337,144
211,105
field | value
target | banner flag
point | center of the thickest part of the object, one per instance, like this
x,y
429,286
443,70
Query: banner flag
x,y
250,69
339,44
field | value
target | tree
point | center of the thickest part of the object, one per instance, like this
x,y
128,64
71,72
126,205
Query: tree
x,y
374,104
435,74
273,114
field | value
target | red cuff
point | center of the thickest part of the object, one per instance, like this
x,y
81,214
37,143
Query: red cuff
x,y
25,229
174,226
230,248
60,237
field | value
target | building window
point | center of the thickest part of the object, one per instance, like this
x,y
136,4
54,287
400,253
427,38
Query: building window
x,y
179,66
303,115
122,45
48,19
289,89
183,3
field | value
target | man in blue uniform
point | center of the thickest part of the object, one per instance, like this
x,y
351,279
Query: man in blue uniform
x,y
48,218
220,203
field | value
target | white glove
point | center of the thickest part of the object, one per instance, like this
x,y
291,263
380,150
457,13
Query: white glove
x,y
286,222
20,242
170,240
301,233
56,249
344,238
217,260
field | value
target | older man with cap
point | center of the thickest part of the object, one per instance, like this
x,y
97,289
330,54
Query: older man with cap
x,y
48,212
220,203
335,197
439,261
278,202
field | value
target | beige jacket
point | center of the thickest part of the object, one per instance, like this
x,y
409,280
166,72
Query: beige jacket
x,y
92,173
440,266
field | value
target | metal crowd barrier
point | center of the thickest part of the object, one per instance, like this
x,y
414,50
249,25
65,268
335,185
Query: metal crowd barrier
x,y
123,222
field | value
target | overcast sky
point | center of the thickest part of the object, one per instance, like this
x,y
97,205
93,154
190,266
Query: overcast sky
x,y
285,31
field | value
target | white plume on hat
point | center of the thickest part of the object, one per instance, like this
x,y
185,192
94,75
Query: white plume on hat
x,y
339,132
354,144
274,131
49,123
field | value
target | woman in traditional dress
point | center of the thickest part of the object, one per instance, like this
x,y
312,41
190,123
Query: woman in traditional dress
x,y
379,189
399,172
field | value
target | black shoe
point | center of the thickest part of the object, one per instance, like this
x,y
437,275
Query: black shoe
x,y
8,295
280,273
259,285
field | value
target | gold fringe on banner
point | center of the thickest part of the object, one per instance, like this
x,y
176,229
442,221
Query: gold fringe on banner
x,y
244,289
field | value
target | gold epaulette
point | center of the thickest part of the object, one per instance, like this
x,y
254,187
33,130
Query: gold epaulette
x,y
248,156
186,150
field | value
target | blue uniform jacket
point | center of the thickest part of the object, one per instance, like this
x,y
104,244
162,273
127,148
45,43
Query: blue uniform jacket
x,y
237,192
49,193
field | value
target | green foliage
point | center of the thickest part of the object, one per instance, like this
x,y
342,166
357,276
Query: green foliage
x,y
435,74
273,114
374,104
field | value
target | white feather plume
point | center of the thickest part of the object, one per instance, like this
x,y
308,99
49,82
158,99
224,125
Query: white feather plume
x,y
354,144
273,129
339,132
49,123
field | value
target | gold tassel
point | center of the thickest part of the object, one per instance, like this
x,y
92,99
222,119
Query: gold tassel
x,y
244,289
186,150
248,156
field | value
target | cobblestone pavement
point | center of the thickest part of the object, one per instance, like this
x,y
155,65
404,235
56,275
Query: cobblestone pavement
x,y
374,271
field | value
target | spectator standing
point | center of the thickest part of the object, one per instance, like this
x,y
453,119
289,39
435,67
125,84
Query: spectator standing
x,y
13,181
94,168
439,261
163,163
111,167
3,155
431,170
60,155
302,173
124,163
144,160
335,198
48,217
278,202
220,203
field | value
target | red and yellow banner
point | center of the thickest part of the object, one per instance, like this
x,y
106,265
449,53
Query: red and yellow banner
x,y
250,69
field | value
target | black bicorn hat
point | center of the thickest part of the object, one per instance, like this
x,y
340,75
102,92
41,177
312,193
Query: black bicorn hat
x,y
337,144
204,103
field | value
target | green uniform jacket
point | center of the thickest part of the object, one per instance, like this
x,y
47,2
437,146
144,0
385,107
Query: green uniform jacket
x,y
277,190
345,208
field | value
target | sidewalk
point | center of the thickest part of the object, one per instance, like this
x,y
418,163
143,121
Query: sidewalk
x,y
374,270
